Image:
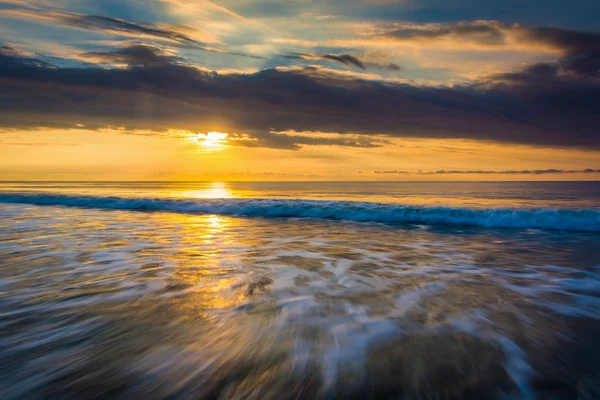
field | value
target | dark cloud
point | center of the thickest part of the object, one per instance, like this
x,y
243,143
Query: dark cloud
x,y
570,41
493,33
580,50
137,55
390,66
8,50
551,171
536,106
345,59
584,64
485,32
10,56
294,142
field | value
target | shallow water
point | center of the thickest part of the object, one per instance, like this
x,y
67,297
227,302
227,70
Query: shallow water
x,y
101,302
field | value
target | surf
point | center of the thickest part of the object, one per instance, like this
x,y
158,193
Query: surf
x,y
539,218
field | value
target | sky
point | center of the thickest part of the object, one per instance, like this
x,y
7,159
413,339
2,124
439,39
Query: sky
x,y
299,90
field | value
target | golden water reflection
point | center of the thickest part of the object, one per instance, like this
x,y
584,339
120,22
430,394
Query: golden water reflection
x,y
212,190
215,221
204,271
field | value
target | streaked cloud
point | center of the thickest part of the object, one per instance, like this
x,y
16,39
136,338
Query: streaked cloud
x,y
105,24
345,59
497,35
274,140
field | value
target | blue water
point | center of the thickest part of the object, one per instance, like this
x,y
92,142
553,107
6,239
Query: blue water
x,y
299,290
542,218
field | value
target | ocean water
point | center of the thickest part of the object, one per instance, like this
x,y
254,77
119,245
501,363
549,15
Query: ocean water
x,y
300,290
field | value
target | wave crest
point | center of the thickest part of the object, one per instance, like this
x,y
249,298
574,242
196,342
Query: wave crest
x,y
561,219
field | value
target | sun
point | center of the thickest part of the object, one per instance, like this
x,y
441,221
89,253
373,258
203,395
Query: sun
x,y
213,140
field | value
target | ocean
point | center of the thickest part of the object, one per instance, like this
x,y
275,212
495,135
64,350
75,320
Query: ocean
x,y
300,290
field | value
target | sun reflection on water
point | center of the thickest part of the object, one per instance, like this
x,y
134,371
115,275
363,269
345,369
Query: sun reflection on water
x,y
203,272
215,221
211,190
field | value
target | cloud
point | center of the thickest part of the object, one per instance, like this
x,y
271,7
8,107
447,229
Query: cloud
x,y
494,34
98,22
390,66
116,26
9,54
535,106
107,25
136,55
585,64
579,50
551,171
7,50
344,59
170,32
483,32
275,140
35,144
295,141
567,40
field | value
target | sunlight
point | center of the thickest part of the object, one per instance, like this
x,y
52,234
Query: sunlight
x,y
215,221
217,190
212,140
209,190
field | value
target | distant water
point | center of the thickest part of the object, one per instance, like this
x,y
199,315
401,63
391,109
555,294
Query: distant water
x,y
300,290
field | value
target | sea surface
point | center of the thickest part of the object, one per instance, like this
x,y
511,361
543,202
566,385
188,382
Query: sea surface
x,y
351,290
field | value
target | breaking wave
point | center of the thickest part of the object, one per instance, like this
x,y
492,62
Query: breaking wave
x,y
557,219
